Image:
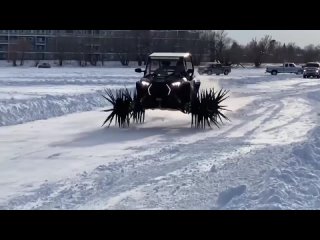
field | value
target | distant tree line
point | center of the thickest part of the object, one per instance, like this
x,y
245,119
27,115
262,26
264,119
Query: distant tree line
x,y
135,45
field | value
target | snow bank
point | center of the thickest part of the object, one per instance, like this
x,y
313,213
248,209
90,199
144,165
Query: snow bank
x,y
28,94
21,111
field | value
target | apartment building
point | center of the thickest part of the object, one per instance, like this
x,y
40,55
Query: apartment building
x,y
46,44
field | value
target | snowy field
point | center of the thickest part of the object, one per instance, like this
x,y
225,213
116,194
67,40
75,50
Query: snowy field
x,y
56,155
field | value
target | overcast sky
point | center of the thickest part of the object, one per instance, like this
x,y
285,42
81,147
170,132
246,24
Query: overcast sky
x,y
300,37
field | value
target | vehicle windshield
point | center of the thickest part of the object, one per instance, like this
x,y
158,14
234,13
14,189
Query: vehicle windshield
x,y
164,67
315,65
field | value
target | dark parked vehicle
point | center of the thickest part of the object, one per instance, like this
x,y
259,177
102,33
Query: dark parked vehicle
x,y
214,68
44,65
311,69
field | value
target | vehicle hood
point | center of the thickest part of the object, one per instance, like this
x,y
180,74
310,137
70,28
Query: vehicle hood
x,y
311,68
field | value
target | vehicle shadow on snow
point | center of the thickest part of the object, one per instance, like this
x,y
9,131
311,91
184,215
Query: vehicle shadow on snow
x,y
117,135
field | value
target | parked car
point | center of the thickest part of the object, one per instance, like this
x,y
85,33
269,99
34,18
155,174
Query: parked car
x,y
214,68
44,65
285,68
311,69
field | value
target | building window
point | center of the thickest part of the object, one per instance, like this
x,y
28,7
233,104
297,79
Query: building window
x,y
40,39
4,39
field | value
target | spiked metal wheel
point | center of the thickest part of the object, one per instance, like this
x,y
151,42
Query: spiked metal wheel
x,y
206,108
124,108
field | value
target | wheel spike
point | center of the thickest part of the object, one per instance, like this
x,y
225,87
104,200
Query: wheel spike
x,y
206,109
124,107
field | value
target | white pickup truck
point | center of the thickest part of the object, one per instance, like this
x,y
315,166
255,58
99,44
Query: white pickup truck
x,y
285,68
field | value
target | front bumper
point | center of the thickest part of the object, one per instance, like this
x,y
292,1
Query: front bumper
x,y
311,74
164,96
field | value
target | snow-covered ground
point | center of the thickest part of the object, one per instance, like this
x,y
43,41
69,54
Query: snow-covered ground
x,y
56,155
28,94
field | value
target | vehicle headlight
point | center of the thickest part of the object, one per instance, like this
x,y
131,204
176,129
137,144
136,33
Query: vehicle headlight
x,y
317,71
176,84
144,83
304,70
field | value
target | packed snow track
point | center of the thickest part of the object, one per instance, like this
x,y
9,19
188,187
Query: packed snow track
x,y
56,155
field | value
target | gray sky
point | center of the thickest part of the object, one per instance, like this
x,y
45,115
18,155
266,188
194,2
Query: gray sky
x,y
300,37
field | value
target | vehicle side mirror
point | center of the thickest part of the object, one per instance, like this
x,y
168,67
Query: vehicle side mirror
x,y
138,70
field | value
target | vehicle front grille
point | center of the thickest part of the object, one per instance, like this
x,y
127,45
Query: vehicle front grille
x,y
159,90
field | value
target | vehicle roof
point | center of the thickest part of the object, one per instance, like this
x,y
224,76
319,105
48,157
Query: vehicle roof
x,y
173,55
312,63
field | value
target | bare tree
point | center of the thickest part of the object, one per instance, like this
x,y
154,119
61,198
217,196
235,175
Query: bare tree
x,y
104,48
38,57
81,52
222,44
210,43
92,47
141,44
13,53
63,46
236,53
311,53
199,46
22,46
257,50
291,52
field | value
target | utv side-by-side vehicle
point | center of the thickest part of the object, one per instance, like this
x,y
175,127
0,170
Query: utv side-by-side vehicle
x,y
168,83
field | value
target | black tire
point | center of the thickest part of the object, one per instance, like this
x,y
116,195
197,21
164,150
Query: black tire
x,y
274,72
217,74
304,76
318,76
226,72
209,72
